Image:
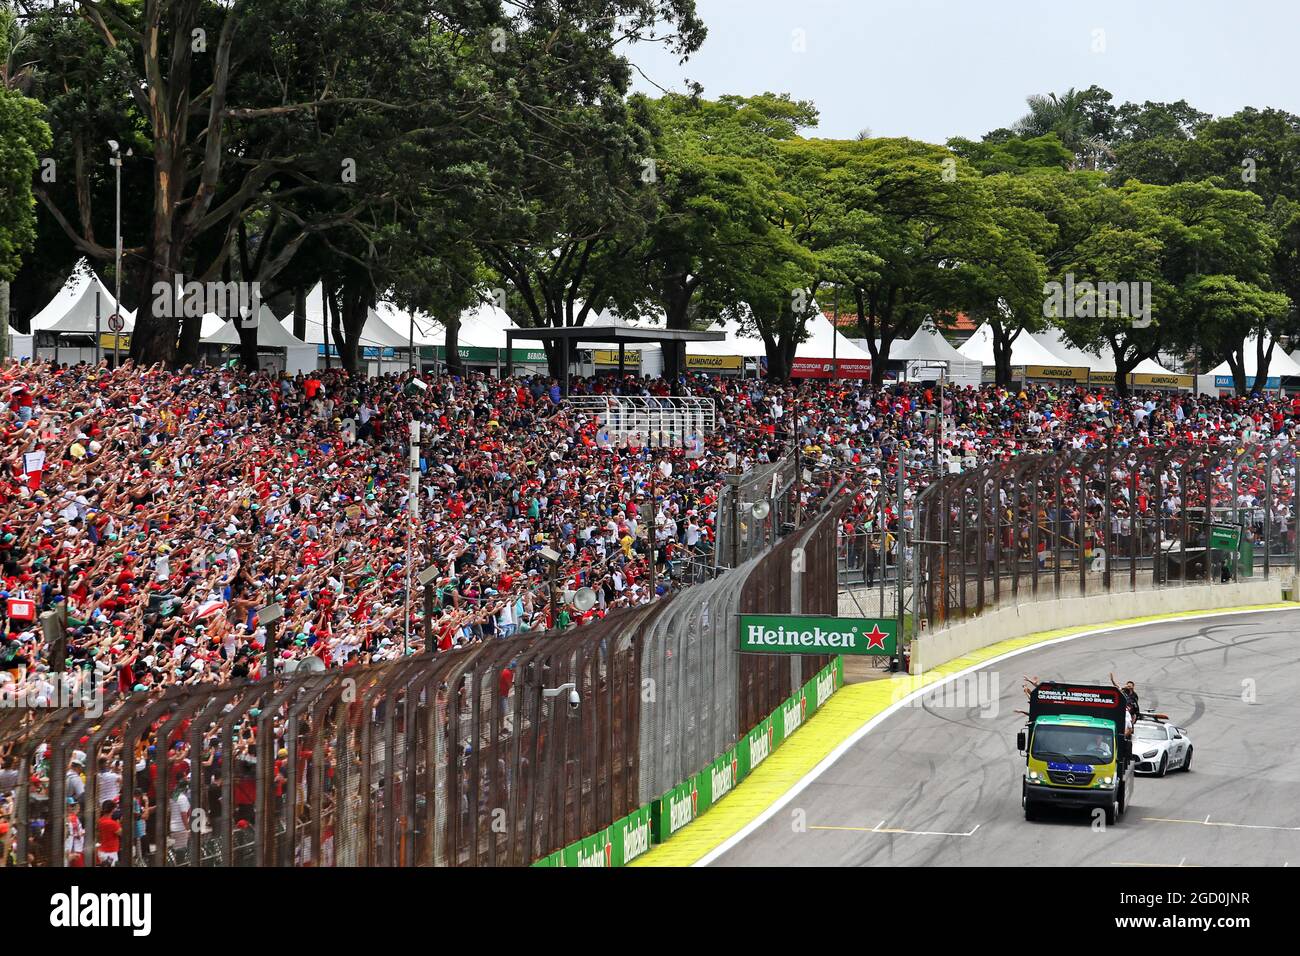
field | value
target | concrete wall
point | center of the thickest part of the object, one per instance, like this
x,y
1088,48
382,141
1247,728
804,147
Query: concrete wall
x,y
938,647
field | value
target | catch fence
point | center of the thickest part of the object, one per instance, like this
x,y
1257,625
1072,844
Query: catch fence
x,y
1095,521
474,757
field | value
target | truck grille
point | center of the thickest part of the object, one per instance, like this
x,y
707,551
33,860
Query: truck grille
x,y
1070,778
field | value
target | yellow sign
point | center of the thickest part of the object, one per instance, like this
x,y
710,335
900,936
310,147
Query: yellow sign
x,y
1065,372
610,356
1145,380
123,342
717,362
1101,378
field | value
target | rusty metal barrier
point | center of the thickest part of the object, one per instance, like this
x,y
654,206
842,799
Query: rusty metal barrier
x,y
1102,520
459,758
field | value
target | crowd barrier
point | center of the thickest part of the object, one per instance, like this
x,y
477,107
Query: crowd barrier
x,y
474,757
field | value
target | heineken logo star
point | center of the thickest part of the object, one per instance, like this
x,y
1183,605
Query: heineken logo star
x,y
876,638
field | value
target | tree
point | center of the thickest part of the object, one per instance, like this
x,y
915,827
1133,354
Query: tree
x,y
717,213
1004,268
24,136
1081,119
1013,155
891,221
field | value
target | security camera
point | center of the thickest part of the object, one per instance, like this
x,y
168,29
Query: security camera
x,y
574,701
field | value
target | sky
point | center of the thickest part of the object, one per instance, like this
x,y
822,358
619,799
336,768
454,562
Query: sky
x,y
933,69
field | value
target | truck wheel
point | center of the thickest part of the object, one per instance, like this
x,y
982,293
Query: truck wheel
x,y
1164,765
1112,812
1187,761
1031,812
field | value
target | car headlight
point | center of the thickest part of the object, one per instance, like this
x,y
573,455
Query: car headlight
x,y
1033,775
1149,754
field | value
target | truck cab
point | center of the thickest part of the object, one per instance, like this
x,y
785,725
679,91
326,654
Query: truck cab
x,y
1075,749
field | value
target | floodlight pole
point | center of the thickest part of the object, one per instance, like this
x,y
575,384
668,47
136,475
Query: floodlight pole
x,y
116,162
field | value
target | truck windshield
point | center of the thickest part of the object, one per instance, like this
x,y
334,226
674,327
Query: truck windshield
x,y
1073,745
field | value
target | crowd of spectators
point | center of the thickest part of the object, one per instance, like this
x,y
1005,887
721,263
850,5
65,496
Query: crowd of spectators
x,y
162,508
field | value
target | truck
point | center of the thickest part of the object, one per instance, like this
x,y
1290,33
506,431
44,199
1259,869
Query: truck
x,y
1076,751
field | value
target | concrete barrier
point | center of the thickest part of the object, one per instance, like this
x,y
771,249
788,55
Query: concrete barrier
x,y
933,648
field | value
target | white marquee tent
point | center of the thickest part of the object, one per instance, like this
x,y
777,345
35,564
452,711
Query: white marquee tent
x,y
376,333
1279,364
299,356
72,310
928,348
1052,340
1025,350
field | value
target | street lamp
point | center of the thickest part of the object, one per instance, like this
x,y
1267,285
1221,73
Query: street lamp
x,y
116,163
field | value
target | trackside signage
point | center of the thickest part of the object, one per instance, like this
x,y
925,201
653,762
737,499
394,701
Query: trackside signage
x,y
616,845
626,839
809,634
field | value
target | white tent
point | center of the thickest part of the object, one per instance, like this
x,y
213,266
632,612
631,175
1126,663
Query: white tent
x,y
1150,367
270,333
210,324
928,348
374,334
427,330
1025,350
1052,340
72,310
68,314
299,356
1279,364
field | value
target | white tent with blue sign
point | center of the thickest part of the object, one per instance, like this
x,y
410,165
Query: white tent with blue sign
x,y
1279,365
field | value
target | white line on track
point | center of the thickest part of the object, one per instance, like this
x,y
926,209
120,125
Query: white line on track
x,y
881,828
798,786
1206,823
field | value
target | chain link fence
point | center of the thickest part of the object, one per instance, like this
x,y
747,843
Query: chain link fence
x,y
475,757
1092,521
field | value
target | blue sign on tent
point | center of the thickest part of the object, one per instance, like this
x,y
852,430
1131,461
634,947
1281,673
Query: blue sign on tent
x,y
1225,381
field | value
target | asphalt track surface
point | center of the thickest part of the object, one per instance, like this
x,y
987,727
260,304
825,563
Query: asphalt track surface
x,y
937,783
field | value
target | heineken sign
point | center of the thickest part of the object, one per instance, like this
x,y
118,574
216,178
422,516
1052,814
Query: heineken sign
x,y
1226,537
809,634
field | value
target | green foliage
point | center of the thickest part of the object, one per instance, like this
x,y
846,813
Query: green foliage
x,y
24,138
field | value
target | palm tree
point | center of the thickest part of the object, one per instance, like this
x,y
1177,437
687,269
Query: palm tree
x,y
1066,116
15,76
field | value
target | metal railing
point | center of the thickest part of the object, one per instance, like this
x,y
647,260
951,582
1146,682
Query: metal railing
x,y
450,759
658,422
1103,520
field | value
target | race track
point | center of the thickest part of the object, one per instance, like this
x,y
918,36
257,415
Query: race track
x,y
940,785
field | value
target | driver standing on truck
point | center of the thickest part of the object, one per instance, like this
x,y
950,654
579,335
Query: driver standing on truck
x,y
1129,693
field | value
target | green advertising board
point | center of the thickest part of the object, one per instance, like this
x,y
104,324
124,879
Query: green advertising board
x,y
676,808
756,746
810,634
1227,537
595,850
631,836
717,780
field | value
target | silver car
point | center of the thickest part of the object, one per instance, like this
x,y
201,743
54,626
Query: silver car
x,y
1160,747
